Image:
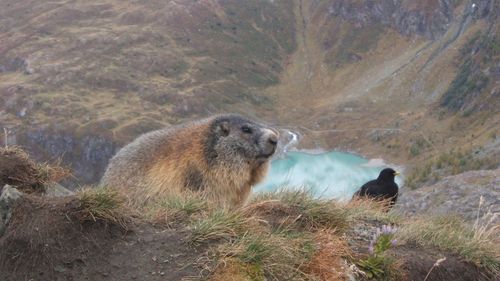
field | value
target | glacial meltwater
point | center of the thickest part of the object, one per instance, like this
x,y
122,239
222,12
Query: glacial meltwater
x,y
327,175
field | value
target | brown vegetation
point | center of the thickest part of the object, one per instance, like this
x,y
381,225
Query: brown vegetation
x,y
17,169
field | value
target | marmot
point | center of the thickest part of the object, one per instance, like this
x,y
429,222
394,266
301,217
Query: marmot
x,y
221,156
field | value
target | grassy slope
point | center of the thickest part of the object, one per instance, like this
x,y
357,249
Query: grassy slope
x,y
276,236
290,236
281,236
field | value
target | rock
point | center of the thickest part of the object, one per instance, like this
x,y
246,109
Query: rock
x,y
57,190
87,156
459,194
15,64
430,19
406,17
7,198
10,194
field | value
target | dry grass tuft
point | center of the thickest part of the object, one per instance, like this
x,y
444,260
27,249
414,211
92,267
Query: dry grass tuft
x,y
52,173
371,209
328,261
17,169
104,204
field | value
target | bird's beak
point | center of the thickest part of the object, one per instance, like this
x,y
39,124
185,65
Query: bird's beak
x,y
397,173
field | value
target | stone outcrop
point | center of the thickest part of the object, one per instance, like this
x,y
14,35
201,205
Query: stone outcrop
x,y
8,196
86,156
429,19
459,194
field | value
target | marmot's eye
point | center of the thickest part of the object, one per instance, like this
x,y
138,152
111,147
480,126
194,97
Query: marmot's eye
x,y
246,130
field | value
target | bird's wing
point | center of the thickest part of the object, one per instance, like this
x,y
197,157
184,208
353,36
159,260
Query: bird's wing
x,y
362,190
395,197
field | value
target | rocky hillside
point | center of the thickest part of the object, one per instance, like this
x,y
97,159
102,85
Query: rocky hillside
x,y
473,195
401,80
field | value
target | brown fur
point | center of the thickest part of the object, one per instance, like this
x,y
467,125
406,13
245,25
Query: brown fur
x,y
175,160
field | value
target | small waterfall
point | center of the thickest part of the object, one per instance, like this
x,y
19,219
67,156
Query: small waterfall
x,y
288,140
294,139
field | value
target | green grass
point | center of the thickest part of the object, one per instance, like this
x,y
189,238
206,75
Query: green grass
x,y
247,239
274,256
381,268
243,45
467,82
254,250
176,208
188,206
220,224
309,212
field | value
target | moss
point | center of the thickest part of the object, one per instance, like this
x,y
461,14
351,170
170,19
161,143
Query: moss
x,y
255,272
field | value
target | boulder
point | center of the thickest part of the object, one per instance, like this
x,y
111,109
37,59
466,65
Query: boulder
x,y
57,190
7,198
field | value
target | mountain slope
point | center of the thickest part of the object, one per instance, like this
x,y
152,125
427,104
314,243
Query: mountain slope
x,y
403,81
368,82
78,78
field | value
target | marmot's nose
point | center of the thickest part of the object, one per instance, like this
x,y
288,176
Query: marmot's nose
x,y
273,139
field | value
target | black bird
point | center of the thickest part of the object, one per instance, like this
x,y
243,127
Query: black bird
x,y
383,187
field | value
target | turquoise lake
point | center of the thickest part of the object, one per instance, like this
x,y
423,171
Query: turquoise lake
x,y
327,175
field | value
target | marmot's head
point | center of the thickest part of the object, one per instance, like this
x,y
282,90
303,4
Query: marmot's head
x,y
235,138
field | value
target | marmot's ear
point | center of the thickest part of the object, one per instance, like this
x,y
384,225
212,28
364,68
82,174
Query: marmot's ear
x,y
223,128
